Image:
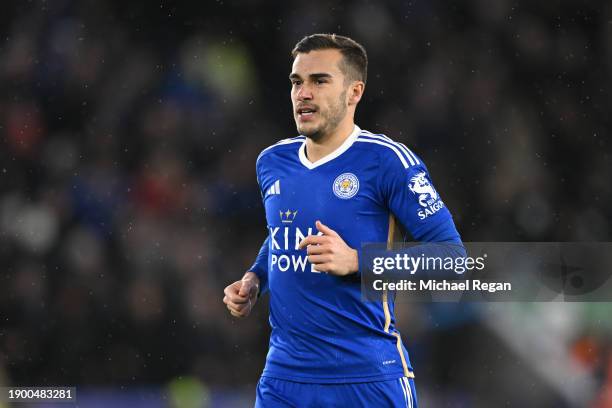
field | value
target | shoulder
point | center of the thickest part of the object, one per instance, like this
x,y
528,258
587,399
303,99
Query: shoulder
x,y
283,145
390,151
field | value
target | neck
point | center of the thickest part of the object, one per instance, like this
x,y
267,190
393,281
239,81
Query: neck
x,y
326,144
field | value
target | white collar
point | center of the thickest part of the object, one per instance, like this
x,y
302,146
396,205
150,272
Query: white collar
x,y
341,149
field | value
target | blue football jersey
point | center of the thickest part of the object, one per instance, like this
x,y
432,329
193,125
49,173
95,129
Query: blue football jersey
x,y
322,332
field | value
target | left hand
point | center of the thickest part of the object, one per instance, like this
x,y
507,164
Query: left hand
x,y
329,253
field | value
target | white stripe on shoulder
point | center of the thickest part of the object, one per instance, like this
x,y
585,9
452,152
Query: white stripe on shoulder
x,y
403,148
413,155
404,390
297,139
389,145
409,391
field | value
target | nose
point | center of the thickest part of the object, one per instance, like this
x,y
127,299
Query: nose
x,y
304,93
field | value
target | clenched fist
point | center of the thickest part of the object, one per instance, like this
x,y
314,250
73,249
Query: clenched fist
x,y
240,296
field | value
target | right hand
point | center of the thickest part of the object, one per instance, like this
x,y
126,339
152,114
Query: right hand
x,y
240,296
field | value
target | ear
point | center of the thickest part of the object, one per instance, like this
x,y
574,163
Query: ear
x,y
355,92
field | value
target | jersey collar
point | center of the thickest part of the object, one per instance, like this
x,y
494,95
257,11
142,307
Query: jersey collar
x,y
341,149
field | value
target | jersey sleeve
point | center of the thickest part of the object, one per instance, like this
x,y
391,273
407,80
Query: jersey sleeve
x,y
260,267
411,196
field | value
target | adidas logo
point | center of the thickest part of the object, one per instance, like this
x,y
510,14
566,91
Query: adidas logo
x,y
274,189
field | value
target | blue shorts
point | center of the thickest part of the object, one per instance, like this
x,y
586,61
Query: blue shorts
x,y
275,393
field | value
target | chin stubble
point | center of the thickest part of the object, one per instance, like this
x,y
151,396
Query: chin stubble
x,y
331,121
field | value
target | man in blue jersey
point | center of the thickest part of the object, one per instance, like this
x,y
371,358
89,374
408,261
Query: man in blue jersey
x,y
325,193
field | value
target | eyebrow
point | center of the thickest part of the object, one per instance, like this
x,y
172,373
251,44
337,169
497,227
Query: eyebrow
x,y
311,76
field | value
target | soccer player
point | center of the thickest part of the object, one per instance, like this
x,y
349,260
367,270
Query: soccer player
x,y
325,192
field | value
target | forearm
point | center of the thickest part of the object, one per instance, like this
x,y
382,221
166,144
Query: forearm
x,y
252,276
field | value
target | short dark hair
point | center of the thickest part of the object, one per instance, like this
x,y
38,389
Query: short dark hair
x,y
354,64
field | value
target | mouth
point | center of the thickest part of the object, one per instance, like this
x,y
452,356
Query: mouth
x,y
306,112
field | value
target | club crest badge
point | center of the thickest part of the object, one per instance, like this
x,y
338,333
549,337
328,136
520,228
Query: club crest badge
x,y
346,186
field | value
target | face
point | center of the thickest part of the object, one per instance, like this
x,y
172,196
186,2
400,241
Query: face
x,y
318,92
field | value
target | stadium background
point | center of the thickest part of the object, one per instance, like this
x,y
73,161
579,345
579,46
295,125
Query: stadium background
x,y
128,137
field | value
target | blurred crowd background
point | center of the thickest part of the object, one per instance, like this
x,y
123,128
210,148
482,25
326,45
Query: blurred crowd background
x,y
128,200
